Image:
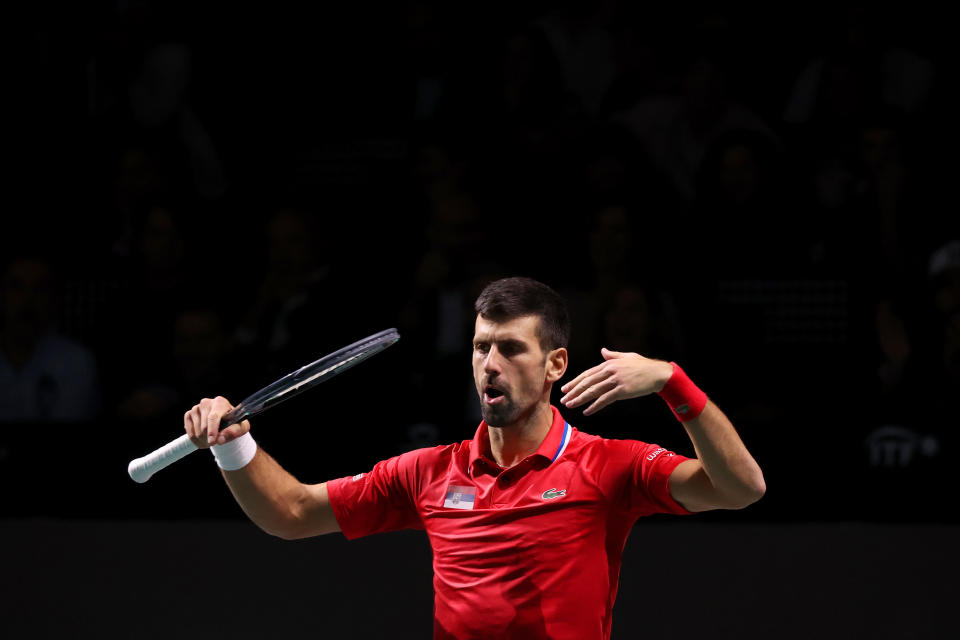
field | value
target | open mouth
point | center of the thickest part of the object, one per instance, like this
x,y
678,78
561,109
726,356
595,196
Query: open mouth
x,y
492,395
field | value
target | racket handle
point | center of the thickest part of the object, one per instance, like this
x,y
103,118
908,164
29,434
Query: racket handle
x,y
142,468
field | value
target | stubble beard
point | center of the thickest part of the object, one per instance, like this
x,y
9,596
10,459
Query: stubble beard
x,y
501,414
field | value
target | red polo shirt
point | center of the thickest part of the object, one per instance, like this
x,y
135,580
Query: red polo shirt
x,y
528,552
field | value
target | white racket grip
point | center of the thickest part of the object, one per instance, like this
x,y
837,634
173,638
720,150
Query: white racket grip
x,y
142,468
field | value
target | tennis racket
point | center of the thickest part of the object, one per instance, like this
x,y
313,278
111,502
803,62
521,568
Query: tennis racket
x,y
306,377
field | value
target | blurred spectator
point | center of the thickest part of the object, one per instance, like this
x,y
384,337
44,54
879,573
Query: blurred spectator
x,y
286,313
612,248
202,349
138,182
430,43
603,257
453,230
511,108
198,365
447,216
741,222
512,85
853,110
944,274
619,249
912,423
151,283
158,98
676,130
531,92
883,191
638,318
139,94
876,204
44,377
584,48
863,68
895,345
640,64
610,167
899,191
643,320
159,257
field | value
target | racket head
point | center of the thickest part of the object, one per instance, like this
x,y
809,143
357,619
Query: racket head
x,y
310,375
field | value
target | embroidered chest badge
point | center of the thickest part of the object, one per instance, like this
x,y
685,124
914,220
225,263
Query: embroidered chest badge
x,y
550,494
460,497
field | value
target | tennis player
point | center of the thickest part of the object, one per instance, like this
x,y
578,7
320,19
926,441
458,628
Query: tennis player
x,y
527,520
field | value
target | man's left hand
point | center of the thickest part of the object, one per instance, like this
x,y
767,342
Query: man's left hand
x,y
620,376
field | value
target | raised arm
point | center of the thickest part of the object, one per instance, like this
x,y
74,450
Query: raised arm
x,y
277,502
724,475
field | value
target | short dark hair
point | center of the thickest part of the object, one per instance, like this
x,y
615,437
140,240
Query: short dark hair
x,y
510,298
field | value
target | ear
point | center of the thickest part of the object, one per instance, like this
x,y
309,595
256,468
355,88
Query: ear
x,y
556,364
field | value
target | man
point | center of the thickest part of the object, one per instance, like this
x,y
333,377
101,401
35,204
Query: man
x,y
528,520
44,376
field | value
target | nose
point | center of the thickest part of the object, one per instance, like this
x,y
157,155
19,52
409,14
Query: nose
x,y
491,363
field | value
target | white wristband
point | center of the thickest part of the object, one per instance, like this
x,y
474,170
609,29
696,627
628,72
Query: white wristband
x,y
235,454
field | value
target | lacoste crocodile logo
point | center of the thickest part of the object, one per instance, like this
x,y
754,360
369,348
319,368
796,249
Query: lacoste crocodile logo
x,y
550,494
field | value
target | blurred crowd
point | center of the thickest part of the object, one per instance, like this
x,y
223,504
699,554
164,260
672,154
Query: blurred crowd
x,y
215,197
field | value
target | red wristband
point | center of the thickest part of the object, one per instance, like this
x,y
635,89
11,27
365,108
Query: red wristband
x,y
684,398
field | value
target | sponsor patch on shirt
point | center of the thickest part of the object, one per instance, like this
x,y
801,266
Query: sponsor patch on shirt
x,y
460,497
658,452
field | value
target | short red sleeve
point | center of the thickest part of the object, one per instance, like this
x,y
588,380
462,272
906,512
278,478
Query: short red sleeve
x,y
645,471
385,499
651,479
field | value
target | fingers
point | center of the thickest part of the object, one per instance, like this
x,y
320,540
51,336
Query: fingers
x,y
593,388
611,355
621,376
233,432
202,422
573,383
600,384
192,421
607,355
606,399
218,407
582,392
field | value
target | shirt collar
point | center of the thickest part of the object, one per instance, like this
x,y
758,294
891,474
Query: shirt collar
x,y
550,449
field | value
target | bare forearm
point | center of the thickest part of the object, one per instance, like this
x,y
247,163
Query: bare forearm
x,y
276,501
731,469
724,475
272,498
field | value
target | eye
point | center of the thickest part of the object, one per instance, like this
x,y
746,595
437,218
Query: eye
x,y
511,348
481,347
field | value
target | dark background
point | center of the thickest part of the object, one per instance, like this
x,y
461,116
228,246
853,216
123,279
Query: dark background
x,y
204,197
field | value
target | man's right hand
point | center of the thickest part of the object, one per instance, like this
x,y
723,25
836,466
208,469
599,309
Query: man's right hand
x,y
202,423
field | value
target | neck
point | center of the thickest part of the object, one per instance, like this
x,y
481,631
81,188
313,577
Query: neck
x,y
512,443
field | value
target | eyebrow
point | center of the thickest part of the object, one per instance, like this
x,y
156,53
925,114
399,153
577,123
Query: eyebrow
x,y
503,342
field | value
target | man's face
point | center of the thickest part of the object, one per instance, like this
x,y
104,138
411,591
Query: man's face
x,y
510,369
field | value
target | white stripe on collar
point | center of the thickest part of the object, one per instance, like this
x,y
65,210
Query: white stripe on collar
x,y
566,441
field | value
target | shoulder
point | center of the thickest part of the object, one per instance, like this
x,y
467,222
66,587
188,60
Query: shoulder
x,y
424,461
428,455
611,451
593,444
